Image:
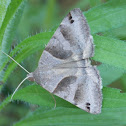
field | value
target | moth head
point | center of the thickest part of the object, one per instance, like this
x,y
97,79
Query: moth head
x,y
30,77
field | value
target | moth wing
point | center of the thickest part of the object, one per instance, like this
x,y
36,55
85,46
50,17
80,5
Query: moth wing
x,y
71,41
64,67
79,86
65,48
82,90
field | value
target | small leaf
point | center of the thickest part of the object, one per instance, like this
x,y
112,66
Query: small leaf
x,y
107,16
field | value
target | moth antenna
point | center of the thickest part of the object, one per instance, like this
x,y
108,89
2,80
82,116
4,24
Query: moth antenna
x,y
53,99
23,79
18,87
15,62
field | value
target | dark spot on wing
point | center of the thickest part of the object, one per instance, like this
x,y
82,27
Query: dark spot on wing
x,y
71,21
70,18
87,104
88,108
65,83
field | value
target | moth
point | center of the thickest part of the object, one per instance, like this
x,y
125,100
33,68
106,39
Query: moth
x,y
65,69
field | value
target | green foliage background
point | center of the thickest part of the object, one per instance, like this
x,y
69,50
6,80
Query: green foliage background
x,y
26,26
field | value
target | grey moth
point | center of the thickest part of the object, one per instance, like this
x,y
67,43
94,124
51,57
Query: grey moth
x,y
65,69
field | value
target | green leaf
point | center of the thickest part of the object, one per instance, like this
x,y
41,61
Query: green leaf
x,y
119,33
11,10
1,86
4,120
95,3
105,47
109,74
75,117
83,4
11,28
26,48
107,16
113,102
101,53
8,28
50,12
123,80
35,94
110,51
3,8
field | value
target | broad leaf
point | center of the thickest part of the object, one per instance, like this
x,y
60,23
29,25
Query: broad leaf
x,y
107,16
110,51
76,117
113,102
109,74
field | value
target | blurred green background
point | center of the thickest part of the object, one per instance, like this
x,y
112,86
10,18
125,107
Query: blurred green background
x,y
39,16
